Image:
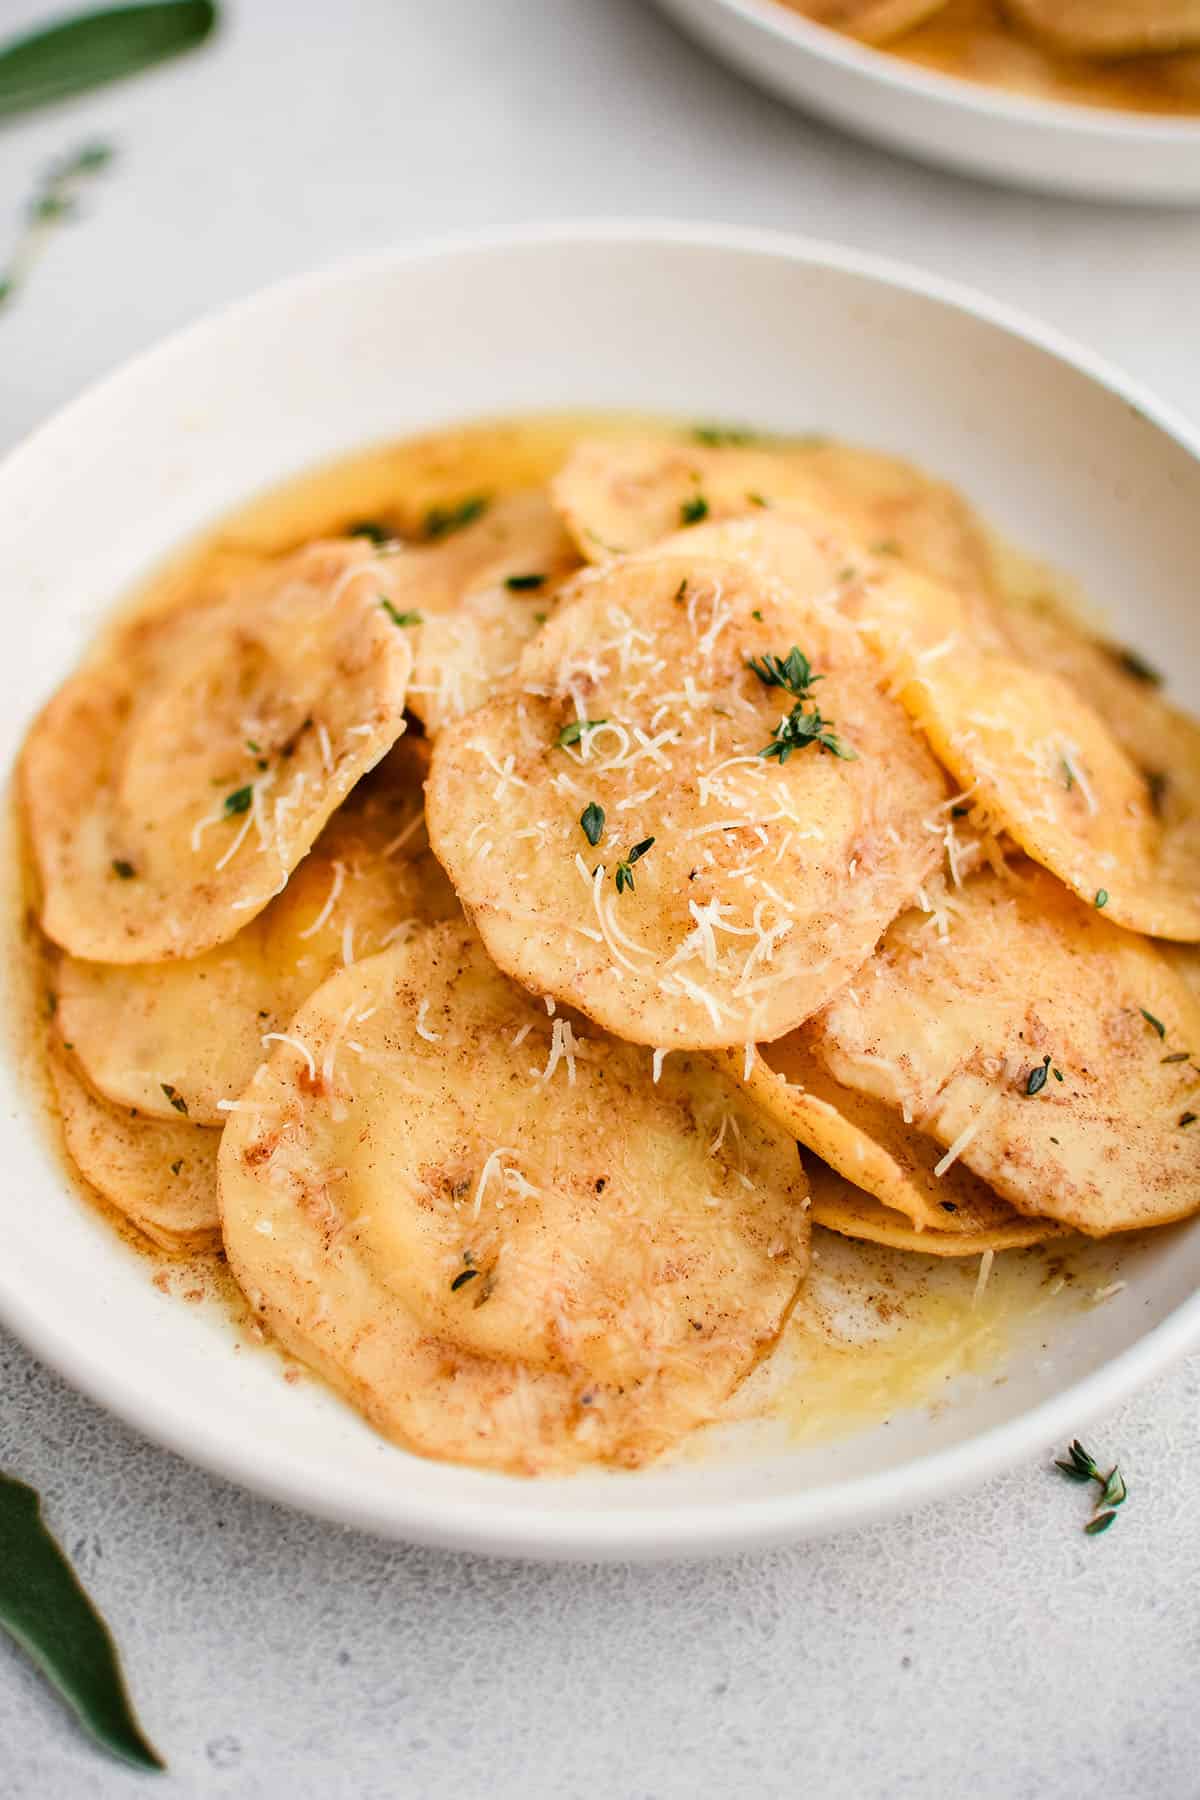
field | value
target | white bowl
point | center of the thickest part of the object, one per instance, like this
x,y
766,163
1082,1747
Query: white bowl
x,y
711,323
1099,152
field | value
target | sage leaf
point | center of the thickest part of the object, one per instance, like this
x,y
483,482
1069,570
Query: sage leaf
x,y
85,51
44,1608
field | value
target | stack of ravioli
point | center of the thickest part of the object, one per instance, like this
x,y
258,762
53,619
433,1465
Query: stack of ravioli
x,y
465,933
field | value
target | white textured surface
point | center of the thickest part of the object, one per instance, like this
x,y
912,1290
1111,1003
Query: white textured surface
x,y
985,1647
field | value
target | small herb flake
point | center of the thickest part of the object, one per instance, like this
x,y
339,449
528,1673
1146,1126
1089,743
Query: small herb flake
x,y
624,877
1100,1523
757,614
177,1165
571,734
524,584
372,530
462,1278
253,748
716,436
1135,665
238,801
1037,1077
400,618
174,1096
1101,899
693,510
539,618
1187,1118
592,821
1157,783
1177,1056
885,547
758,500
1155,1024
1081,1466
440,521
124,870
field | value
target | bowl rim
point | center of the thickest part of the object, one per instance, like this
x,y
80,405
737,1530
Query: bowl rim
x,y
1164,130
629,1532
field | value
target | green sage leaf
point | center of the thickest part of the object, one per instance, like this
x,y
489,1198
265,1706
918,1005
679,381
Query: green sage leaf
x,y
85,51
44,1608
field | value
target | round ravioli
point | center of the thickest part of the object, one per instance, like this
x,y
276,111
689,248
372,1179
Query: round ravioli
x,y
872,1146
1162,742
497,1236
176,780
696,811
189,1034
1042,1047
162,1178
839,1206
621,496
873,21
1034,759
471,604
1113,28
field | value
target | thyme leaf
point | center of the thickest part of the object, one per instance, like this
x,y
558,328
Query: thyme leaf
x,y
400,618
524,584
592,821
239,801
571,734
1155,1024
1037,1077
624,876
693,510
440,521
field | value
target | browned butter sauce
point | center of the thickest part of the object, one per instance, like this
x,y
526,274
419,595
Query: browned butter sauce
x,y
876,1332
973,40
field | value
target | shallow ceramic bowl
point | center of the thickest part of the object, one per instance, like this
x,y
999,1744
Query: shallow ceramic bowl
x,y
1063,454
1102,153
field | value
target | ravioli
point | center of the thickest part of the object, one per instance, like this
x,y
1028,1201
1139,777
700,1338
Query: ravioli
x,y
874,21
1113,28
1032,757
494,1232
471,603
192,1032
173,783
1038,1044
651,829
621,496
839,1206
162,1178
871,1145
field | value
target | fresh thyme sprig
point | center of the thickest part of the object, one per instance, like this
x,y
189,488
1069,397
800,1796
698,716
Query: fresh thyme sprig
x,y
1080,1465
625,866
794,673
54,202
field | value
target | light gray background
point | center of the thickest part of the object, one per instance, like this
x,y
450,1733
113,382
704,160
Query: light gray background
x,y
983,1648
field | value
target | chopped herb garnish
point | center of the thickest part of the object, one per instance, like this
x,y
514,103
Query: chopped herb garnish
x,y
400,618
716,435
959,812
440,521
692,511
885,547
1037,1077
1177,1056
539,618
847,574
177,1165
757,614
238,801
524,584
592,821
800,728
1101,898
370,529
1134,665
1155,1024
1081,1466
1156,785
1187,1118
793,672
758,500
124,869
1057,1074
571,734
625,866
461,1279
680,594
253,748
174,1096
